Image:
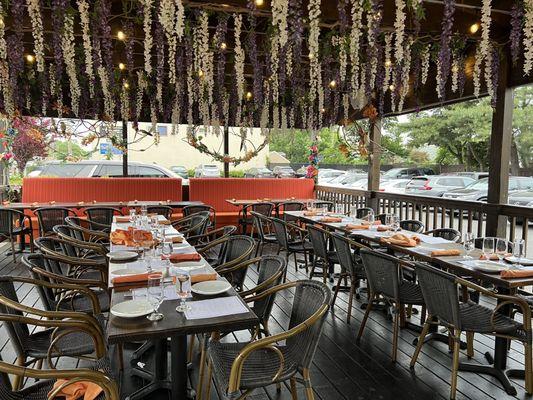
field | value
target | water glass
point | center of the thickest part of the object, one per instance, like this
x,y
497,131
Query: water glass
x,y
182,279
488,247
370,217
133,216
138,239
468,244
500,248
519,251
394,223
339,209
353,212
144,210
156,295
167,249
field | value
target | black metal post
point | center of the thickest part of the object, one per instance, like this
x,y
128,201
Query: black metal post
x,y
125,151
226,150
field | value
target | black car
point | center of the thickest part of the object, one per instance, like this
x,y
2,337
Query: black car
x,y
406,173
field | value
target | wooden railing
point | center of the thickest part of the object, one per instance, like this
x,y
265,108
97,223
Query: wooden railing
x,y
434,212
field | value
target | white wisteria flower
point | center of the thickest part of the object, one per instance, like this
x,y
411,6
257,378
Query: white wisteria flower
x,y
340,42
425,55
239,57
528,36
406,68
314,67
399,26
69,56
87,45
455,73
148,39
484,45
124,104
142,84
9,105
488,71
476,75
388,62
167,13
190,93
109,103
3,44
280,10
355,36
34,9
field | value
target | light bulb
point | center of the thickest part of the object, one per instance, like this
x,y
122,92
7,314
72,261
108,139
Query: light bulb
x,y
200,73
121,66
249,95
391,88
259,3
474,28
30,58
388,63
332,84
126,85
121,35
223,46
455,68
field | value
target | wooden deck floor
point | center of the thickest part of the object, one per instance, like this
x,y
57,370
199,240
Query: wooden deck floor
x,y
343,369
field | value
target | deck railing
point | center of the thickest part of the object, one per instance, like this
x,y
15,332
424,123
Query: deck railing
x,y
434,212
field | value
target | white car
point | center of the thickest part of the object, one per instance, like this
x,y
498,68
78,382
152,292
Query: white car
x,y
394,186
327,175
207,171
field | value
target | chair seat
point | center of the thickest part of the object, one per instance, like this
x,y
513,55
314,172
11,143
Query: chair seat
x,y
476,318
410,293
300,247
73,344
259,368
270,238
84,304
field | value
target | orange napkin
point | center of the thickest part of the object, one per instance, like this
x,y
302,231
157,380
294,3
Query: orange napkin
x,y
383,228
177,239
77,390
177,258
164,222
34,204
122,219
310,213
355,227
517,273
203,277
399,239
331,219
445,252
490,257
121,236
130,278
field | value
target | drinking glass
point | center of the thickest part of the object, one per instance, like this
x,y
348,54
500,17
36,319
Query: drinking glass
x,y
388,220
339,209
325,210
183,289
138,239
154,221
500,248
488,247
167,249
133,215
468,244
353,213
144,210
156,295
370,217
394,223
519,251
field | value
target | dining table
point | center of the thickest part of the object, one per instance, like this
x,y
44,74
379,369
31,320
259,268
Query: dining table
x,y
207,314
459,265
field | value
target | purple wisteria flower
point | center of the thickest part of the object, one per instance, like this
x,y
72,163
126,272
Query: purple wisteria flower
x,y
517,20
445,51
495,71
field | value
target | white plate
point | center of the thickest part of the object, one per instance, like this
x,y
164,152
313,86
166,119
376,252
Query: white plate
x,y
125,271
490,267
211,288
189,265
523,261
132,309
122,255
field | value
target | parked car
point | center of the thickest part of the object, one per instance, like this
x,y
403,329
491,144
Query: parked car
x,y
259,172
436,185
180,170
326,175
393,186
97,168
284,171
207,171
522,198
346,179
406,173
478,190
301,172
473,175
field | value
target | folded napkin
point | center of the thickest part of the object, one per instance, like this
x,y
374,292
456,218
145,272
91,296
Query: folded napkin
x,y
399,239
164,222
195,278
34,204
331,219
445,252
177,239
122,236
137,278
177,258
517,273
492,256
310,213
122,220
382,228
78,390
355,227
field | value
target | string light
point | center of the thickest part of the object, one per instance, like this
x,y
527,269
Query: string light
x,y
474,28
332,84
259,3
200,73
311,55
388,63
248,95
391,88
323,110
126,85
121,66
30,58
223,45
121,35
455,68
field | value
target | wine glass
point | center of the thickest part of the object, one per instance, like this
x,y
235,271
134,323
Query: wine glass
x,y
183,289
133,215
519,251
156,295
370,217
468,244
138,239
144,210
167,249
500,248
394,223
339,209
353,213
488,247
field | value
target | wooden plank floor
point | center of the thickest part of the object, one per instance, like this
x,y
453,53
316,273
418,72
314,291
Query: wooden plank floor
x,y
341,369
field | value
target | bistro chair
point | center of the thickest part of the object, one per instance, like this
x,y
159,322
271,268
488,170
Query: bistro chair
x,y
382,218
441,294
292,246
351,267
101,215
212,235
233,259
189,210
323,204
322,257
70,234
264,232
362,213
165,211
245,219
88,231
49,217
450,234
412,225
13,224
77,334
243,367
385,280
193,225
289,206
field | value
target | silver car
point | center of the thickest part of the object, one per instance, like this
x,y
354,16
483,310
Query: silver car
x,y
207,171
436,185
478,190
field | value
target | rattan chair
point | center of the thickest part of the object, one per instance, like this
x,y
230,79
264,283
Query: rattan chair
x,y
76,334
49,217
292,246
441,294
13,224
351,267
243,367
289,206
363,212
216,234
193,225
245,218
88,231
233,259
412,225
385,280
264,232
322,203
165,211
70,234
189,210
322,257
446,233
101,215
382,218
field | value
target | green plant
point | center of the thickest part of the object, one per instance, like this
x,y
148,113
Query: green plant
x,y
236,173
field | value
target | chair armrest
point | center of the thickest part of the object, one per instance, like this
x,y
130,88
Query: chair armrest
x,y
221,269
259,288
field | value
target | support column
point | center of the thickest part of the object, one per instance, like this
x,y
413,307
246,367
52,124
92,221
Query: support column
x,y
374,163
500,153
125,151
226,150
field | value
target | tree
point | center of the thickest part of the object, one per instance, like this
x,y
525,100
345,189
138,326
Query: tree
x,y
522,146
28,142
69,151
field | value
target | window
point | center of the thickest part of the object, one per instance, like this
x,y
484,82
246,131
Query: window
x,y
112,170
162,130
149,172
67,170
